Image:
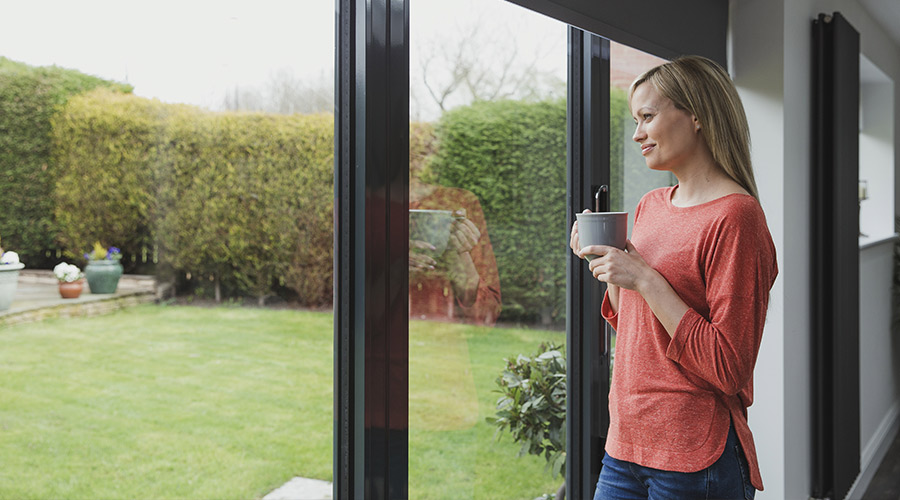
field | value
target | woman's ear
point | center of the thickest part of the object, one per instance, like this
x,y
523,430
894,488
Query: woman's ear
x,y
696,124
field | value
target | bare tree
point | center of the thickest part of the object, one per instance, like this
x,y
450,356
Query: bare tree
x,y
284,93
481,63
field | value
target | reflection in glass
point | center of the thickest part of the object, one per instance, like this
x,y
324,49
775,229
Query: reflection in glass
x,y
631,179
487,238
453,272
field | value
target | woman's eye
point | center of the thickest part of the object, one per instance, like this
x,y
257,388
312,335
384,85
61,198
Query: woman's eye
x,y
646,116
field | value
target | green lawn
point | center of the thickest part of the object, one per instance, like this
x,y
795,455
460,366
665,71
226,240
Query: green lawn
x,y
169,402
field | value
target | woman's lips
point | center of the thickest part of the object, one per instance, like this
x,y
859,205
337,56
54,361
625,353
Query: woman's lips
x,y
646,148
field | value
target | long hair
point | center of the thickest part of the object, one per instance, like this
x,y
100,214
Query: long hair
x,y
703,88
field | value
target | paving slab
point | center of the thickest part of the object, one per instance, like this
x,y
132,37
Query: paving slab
x,y
301,488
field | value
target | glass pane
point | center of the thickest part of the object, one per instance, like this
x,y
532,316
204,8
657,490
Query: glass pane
x,y
196,137
630,177
488,247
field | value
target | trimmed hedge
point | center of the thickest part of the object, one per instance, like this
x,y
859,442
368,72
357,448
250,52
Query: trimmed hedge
x,y
244,199
250,201
29,98
106,151
512,155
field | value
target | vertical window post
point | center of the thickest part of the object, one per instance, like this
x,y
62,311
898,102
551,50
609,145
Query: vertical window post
x,y
587,410
371,249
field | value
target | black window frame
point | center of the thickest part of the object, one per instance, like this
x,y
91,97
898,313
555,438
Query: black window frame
x,y
371,223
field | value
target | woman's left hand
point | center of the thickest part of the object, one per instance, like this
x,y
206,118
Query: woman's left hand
x,y
624,268
464,234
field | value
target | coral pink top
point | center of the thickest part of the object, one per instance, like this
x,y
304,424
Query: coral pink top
x,y
672,399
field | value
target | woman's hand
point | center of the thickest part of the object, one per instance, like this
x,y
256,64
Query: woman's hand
x,y
464,234
573,237
461,270
623,268
627,269
419,261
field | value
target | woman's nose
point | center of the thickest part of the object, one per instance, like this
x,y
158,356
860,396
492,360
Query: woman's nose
x,y
639,134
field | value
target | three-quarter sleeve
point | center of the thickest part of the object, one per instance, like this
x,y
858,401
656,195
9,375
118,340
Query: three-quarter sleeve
x,y
607,312
721,347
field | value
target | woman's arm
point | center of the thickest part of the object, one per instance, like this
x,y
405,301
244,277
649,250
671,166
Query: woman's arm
x,y
627,269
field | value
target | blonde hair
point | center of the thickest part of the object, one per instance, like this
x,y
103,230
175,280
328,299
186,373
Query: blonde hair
x,y
703,88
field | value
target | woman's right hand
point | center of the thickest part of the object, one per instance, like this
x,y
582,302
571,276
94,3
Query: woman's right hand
x,y
419,261
573,238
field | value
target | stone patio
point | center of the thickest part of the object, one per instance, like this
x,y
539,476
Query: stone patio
x,y
37,298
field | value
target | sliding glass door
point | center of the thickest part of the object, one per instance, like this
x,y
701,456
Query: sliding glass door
x,y
487,256
464,147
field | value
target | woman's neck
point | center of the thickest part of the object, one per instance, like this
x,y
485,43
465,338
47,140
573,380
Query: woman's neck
x,y
704,181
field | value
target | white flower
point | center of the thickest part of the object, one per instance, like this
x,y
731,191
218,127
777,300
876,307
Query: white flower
x,y
67,272
9,258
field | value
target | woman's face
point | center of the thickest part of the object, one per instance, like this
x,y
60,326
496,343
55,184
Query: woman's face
x,y
669,137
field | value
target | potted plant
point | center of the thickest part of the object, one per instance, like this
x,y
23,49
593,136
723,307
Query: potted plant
x,y
532,407
103,269
9,277
71,280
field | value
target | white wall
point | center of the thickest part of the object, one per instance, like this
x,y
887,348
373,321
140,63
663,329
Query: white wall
x,y
878,351
770,62
757,66
876,152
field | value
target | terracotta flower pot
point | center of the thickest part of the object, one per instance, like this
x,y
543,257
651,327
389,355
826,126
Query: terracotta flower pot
x,y
71,290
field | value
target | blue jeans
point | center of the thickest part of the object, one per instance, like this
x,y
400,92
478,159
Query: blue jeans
x,y
727,478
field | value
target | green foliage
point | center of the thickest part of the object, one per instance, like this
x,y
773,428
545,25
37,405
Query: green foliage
x,y
630,178
29,98
242,198
619,121
105,152
533,404
512,156
249,200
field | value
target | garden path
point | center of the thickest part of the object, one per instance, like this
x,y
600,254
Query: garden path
x,y
37,298
301,488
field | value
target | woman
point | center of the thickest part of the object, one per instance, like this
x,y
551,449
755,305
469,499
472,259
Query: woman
x,y
687,298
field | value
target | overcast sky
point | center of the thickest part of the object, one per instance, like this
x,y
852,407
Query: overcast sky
x,y
192,51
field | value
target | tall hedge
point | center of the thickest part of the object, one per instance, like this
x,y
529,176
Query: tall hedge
x,y
250,201
243,199
512,156
29,98
107,156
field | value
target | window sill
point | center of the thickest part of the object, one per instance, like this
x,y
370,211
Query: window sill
x,y
873,241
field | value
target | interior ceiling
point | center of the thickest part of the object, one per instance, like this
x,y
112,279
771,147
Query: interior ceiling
x,y
887,14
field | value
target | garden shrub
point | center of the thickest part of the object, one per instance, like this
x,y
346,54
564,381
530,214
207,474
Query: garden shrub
x,y
29,98
250,201
512,156
244,199
532,405
106,148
